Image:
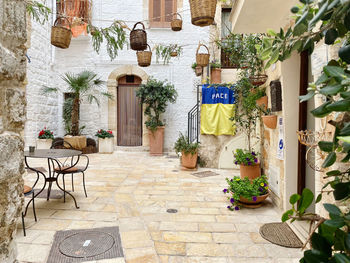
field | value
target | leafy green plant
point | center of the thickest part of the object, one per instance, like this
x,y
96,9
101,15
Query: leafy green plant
x,y
245,157
114,35
156,95
316,20
104,134
38,11
83,84
194,65
45,134
259,93
182,145
67,115
164,52
215,64
238,188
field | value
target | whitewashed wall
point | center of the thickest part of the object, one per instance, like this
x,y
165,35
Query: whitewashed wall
x,y
44,110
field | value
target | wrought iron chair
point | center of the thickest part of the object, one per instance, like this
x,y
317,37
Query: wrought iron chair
x,y
27,190
72,168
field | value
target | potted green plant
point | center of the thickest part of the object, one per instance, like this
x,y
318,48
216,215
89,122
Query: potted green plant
x,y
244,192
82,85
156,95
248,162
105,141
189,151
45,138
261,98
215,72
197,69
269,119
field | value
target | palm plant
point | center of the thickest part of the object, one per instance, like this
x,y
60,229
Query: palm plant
x,y
83,84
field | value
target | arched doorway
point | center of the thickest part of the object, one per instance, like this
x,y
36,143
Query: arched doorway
x,y
129,112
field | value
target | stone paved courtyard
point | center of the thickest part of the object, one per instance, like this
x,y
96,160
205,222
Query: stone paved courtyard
x,y
133,191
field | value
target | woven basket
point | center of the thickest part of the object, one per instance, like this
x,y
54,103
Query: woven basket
x,y
202,59
144,57
61,36
258,80
173,54
138,38
176,23
202,12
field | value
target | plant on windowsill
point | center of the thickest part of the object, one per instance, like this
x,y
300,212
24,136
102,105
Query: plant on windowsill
x,y
215,72
165,52
105,141
247,193
197,69
45,138
155,95
269,119
189,151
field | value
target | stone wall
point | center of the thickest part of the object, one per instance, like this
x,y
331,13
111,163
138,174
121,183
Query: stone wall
x,y
12,117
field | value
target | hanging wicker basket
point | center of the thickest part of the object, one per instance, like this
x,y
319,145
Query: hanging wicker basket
x,y
144,57
138,38
173,54
198,70
202,59
61,36
258,80
202,12
176,23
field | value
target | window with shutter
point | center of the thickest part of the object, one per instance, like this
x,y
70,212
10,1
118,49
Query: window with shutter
x,y
161,12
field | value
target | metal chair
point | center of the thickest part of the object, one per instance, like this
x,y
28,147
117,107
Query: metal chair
x,y
27,190
73,168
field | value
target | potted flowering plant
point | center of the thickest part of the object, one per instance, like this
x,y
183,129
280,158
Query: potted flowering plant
x,y
244,192
248,162
215,72
45,138
105,141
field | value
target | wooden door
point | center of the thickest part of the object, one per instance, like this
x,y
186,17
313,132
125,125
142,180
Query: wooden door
x,y
129,116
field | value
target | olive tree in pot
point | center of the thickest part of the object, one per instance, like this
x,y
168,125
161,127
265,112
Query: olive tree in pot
x,y
85,84
156,95
189,151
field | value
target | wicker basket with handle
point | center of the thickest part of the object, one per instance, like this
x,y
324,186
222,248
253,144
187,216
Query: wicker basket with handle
x,y
138,38
202,59
202,12
144,57
61,36
176,23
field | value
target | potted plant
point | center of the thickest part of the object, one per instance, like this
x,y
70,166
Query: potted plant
x,y
270,120
189,151
261,98
244,192
105,141
215,72
156,95
197,69
248,162
45,138
81,85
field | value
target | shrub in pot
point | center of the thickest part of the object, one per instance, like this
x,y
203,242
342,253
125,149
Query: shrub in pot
x,y
45,138
156,95
189,151
105,141
244,192
215,72
248,163
197,69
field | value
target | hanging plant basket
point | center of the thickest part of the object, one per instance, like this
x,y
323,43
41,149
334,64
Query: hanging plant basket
x,y
270,121
202,12
138,38
61,36
198,71
176,23
144,57
258,80
173,54
202,59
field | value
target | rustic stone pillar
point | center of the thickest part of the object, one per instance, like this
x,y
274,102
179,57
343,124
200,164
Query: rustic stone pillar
x,y
12,117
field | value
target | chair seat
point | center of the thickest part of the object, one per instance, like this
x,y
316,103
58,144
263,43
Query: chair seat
x,y
65,169
26,189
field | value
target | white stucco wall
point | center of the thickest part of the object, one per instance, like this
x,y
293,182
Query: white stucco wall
x,y
47,111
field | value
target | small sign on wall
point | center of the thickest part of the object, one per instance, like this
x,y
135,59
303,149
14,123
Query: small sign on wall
x,y
280,143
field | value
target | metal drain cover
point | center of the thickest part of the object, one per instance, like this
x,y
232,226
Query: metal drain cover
x,y
171,210
86,244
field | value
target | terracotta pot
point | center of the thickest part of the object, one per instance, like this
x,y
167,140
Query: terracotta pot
x,y
270,121
253,204
156,141
250,171
262,102
198,71
215,75
189,160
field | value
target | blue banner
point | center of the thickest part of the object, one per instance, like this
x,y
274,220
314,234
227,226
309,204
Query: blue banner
x,y
214,95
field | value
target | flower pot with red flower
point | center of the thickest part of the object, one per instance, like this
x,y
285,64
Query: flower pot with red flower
x,y
248,163
105,141
246,193
45,138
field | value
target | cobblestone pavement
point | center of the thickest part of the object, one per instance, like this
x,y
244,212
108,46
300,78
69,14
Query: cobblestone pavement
x,y
133,191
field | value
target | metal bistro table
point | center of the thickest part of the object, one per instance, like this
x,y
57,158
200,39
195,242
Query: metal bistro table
x,y
54,165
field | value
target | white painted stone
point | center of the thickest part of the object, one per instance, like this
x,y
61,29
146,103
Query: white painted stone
x,y
43,143
106,145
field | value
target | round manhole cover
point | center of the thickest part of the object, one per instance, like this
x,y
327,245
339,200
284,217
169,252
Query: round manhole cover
x,y
86,244
171,210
